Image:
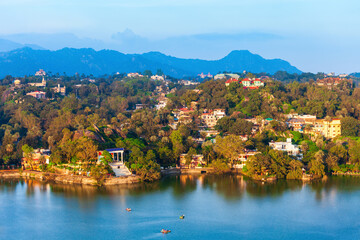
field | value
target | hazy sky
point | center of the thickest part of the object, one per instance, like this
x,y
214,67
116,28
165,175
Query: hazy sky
x,y
313,35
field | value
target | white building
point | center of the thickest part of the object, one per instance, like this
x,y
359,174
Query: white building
x,y
157,77
41,72
291,149
133,75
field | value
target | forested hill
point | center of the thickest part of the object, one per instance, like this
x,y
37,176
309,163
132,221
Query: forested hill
x,y
26,61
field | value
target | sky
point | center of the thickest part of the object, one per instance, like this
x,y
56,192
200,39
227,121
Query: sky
x,y
313,35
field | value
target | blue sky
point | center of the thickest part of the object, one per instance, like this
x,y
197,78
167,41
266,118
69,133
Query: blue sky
x,y
315,35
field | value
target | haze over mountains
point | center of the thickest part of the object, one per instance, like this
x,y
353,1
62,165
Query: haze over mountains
x,y
26,61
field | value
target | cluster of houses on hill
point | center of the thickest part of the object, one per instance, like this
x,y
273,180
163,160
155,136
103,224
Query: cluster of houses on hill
x,y
329,128
330,82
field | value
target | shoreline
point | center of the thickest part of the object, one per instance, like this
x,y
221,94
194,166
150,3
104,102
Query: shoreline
x,y
66,179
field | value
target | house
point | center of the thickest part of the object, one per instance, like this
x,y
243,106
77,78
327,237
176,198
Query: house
x,y
231,80
38,157
42,84
329,82
41,72
161,104
252,83
140,106
197,161
134,75
187,82
157,77
296,124
209,133
291,149
37,94
327,128
210,118
240,163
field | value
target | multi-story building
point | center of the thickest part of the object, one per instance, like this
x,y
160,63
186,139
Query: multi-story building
x,y
296,124
327,128
210,118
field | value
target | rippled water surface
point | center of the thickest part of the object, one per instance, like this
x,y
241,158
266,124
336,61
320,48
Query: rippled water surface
x,y
215,207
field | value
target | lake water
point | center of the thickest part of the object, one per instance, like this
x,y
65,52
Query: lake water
x,y
215,207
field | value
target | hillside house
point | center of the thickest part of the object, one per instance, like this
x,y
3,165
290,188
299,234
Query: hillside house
x,y
37,94
38,157
240,163
197,161
291,149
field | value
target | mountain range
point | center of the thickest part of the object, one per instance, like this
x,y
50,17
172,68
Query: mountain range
x,y
26,61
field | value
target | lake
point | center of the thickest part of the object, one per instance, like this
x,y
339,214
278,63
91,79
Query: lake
x,y
215,207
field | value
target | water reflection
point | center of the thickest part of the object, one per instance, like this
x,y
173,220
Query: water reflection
x,y
230,187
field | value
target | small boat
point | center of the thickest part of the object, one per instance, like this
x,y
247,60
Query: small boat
x,y
182,216
128,209
164,231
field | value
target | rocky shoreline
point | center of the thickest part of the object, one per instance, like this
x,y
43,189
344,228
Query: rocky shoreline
x,y
66,179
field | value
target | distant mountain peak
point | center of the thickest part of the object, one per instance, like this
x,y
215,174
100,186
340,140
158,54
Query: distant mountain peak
x,y
26,61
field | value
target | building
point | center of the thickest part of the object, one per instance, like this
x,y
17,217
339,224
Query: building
x,y
59,89
116,153
38,157
231,80
187,82
42,84
134,75
330,82
157,77
226,76
202,75
296,124
240,163
161,104
41,72
210,118
252,83
197,161
327,128
17,82
37,94
291,149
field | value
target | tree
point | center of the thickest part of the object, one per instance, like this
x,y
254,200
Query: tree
x,y
295,170
177,143
349,127
28,155
230,147
106,158
189,155
317,167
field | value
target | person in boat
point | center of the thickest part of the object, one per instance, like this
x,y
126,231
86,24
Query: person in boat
x,y
128,209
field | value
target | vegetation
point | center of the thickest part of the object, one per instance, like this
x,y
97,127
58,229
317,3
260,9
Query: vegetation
x,y
100,113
